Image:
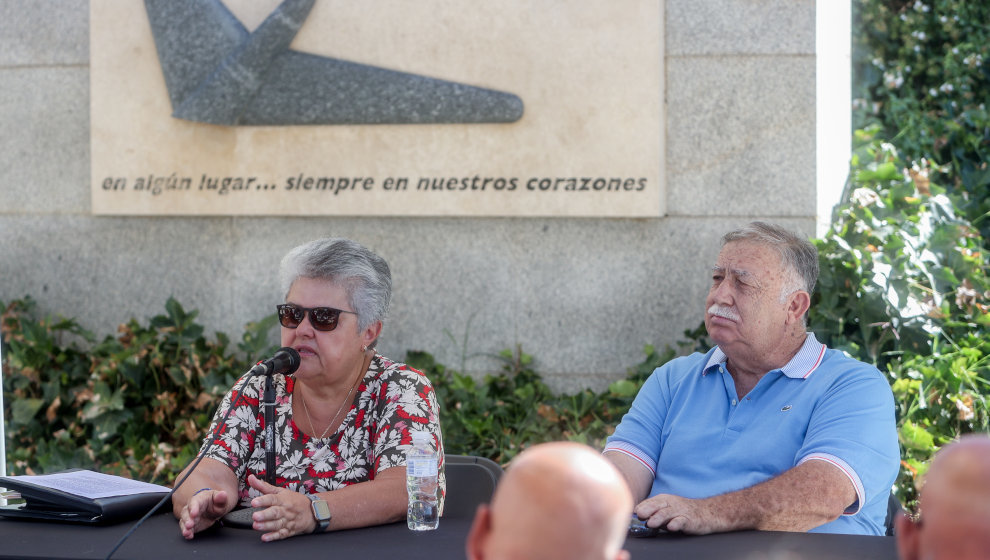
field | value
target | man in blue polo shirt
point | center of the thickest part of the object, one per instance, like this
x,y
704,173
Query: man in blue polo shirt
x,y
769,430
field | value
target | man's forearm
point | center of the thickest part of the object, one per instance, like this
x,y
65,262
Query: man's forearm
x,y
802,498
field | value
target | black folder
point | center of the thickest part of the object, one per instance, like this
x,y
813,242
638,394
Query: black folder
x,y
44,503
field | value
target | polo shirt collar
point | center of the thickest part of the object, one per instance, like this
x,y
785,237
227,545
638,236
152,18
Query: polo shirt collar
x,y
803,364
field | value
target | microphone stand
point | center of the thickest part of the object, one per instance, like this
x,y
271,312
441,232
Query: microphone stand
x,y
269,405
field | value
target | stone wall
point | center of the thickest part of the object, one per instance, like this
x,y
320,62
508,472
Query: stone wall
x,y
581,295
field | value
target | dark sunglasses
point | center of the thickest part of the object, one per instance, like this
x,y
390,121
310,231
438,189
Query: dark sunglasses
x,y
322,318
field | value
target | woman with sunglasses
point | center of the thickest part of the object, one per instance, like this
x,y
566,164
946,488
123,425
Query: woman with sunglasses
x,y
343,420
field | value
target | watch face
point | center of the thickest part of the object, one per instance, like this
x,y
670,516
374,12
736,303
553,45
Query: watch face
x,y
321,509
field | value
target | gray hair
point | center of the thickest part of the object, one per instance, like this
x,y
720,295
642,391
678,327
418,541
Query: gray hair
x,y
364,275
797,254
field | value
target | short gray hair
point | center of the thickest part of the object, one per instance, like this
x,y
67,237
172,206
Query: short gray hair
x,y
365,276
797,254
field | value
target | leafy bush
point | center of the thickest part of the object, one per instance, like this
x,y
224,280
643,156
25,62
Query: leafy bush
x,y
909,246
921,72
904,285
136,404
899,268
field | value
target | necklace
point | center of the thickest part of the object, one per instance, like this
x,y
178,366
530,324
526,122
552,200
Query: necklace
x,y
320,444
333,421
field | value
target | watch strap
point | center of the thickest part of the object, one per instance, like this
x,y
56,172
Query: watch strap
x,y
322,518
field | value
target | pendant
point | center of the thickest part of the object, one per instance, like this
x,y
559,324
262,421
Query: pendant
x,y
319,445
320,453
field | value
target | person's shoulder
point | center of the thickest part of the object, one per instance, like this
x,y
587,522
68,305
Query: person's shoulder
x,y
839,363
385,369
840,373
683,367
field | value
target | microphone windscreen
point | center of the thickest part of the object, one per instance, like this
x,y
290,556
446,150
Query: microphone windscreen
x,y
285,361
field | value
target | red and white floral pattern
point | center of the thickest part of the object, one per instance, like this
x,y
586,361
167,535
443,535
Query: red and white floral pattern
x,y
393,400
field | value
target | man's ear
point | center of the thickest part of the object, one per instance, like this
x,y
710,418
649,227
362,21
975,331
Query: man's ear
x,y
907,534
798,304
481,529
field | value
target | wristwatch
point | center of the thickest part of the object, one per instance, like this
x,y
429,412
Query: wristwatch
x,y
321,511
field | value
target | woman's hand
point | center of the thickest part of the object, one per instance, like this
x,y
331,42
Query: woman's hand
x,y
202,511
286,513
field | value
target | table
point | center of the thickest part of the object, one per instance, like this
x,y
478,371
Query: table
x,y
159,538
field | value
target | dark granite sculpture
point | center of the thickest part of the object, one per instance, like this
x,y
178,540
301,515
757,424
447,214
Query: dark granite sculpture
x,y
218,73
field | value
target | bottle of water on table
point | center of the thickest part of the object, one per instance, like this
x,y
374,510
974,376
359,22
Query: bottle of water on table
x,y
423,513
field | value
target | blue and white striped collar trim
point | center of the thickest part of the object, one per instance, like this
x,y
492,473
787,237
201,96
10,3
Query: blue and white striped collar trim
x,y
803,364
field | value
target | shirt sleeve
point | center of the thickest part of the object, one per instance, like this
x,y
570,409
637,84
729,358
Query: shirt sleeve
x,y
409,405
639,432
854,429
234,442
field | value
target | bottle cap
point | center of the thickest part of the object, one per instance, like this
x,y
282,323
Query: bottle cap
x,y
421,437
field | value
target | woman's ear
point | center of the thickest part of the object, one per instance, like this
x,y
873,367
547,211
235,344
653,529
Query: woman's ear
x,y
371,333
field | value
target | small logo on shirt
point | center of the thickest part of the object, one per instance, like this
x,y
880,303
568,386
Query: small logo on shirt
x,y
786,408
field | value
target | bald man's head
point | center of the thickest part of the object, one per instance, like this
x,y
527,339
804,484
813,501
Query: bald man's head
x,y
556,500
954,506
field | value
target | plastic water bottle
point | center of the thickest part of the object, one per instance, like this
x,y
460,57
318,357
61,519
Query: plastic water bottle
x,y
423,513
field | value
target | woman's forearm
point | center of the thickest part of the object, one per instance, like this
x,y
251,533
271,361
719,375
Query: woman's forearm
x,y
210,474
375,502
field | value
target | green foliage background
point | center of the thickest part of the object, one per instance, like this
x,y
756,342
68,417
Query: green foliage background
x,y
136,404
903,285
904,273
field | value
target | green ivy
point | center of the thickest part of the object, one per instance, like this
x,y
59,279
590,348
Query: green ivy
x,y
904,285
921,73
899,268
904,277
136,404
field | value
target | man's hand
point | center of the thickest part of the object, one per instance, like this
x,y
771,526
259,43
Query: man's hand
x,y
674,513
811,494
202,511
286,512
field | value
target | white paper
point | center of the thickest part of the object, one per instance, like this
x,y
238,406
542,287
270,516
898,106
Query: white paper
x,y
89,484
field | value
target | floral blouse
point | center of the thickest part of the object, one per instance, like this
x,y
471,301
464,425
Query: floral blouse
x,y
393,400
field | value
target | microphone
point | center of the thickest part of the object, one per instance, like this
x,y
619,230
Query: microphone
x,y
285,361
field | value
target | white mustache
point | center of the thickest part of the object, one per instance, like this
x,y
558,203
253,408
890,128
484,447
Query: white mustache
x,y
727,312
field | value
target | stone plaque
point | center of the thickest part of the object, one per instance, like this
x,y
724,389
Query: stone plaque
x,y
378,107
